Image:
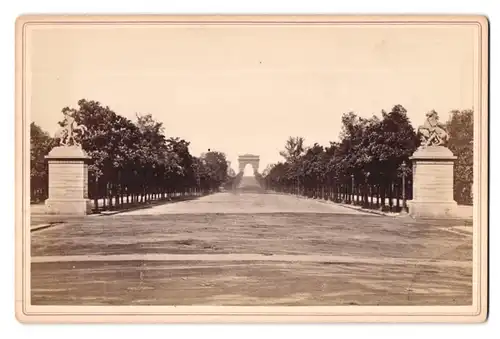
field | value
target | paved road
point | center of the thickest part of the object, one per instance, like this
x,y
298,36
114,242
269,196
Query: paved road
x,y
252,248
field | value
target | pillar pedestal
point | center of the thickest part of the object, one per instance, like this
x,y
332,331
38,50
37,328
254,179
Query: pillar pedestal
x,y
68,181
433,183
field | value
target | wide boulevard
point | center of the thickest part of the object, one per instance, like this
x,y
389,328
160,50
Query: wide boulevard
x,y
251,247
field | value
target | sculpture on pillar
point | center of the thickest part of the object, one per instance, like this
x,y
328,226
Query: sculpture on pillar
x,y
66,133
68,172
432,180
432,132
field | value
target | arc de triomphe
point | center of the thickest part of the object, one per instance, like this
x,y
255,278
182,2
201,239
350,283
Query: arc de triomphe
x,y
251,159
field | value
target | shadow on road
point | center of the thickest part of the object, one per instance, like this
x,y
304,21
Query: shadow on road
x,y
249,189
40,220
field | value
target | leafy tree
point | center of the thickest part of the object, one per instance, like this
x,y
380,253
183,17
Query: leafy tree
x,y
294,148
461,130
267,170
110,141
313,168
40,145
366,160
181,170
136,161
396,141
278,177
216,168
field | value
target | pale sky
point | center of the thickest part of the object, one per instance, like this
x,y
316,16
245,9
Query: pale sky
x,y
246,89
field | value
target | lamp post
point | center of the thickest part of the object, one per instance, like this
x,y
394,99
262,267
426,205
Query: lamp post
x,y
403,168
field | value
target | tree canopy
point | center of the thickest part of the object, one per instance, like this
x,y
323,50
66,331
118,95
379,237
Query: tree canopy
x,y
132,158
40,145
370,158
137,158
461,130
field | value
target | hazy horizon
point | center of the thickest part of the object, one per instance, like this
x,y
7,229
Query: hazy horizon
x,y
246,89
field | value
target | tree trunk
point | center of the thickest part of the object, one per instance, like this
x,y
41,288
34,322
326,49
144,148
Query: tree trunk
x,y
365,198
109,196
96,194
391,196
382,196
104,197
397,197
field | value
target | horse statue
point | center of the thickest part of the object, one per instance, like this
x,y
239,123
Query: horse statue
x,y
432,132
66,133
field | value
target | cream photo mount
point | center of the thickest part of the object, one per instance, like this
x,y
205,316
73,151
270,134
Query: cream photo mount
x,y
28,313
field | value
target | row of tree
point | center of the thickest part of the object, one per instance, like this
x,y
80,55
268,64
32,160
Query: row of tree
x,y
370,164
132,161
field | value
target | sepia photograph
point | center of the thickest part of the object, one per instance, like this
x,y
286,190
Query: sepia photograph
x,y
184,168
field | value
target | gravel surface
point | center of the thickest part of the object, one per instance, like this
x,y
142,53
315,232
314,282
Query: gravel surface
x,y
252,248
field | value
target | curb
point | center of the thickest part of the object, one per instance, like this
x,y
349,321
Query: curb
x,y
140,207
40,227
394,215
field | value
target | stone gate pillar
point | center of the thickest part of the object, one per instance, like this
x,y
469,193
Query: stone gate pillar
x,y
433,173
68,181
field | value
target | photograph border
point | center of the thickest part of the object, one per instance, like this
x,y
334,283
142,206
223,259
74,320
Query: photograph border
x,y
477,312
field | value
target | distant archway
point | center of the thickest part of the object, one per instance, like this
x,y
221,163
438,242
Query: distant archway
x,y
251,159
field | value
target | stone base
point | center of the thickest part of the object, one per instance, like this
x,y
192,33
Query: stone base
x,y
68,207
436,209
433,183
